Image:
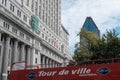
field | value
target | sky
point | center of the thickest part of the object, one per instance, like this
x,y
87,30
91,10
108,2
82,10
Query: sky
x,y
105,13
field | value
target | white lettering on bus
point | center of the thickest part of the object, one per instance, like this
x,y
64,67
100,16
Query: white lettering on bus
x,y
43,73
81,71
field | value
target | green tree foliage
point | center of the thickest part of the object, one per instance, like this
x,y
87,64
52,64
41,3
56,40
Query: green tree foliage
x,y
91,47
82,48
107,47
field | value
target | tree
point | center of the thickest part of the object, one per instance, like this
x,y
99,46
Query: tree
x,y
107,47
112,44
91,47
82,48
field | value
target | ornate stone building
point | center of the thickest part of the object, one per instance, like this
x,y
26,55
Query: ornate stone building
x,y
31,31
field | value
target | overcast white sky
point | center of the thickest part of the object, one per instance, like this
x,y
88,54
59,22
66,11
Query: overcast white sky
x,y
105,13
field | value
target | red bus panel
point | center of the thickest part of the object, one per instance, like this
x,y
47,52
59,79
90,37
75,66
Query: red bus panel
x,y
89,72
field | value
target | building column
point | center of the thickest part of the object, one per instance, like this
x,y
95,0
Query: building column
x,y
28,55
40,60
50,63
32,56
43,62
56,64
47,64
1,49
15,51
22,52
5,58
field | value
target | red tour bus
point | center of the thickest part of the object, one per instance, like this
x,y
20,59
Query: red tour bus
x,y
97,71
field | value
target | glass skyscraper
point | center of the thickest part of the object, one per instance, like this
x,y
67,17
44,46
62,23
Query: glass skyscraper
x,y
89,25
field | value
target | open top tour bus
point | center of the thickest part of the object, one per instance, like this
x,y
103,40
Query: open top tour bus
x,y
97,71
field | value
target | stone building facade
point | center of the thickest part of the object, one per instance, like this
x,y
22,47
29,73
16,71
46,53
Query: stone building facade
x,y
31,31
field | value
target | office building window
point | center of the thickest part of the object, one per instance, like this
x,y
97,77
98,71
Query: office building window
x,y
21,34
4,2
27,3
25,18
44,29
29,22
49,40
6,25
36,60
27,38
19,13
46,38
36,8
42,35
12,7
40,12
36,52
14,30
32,6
